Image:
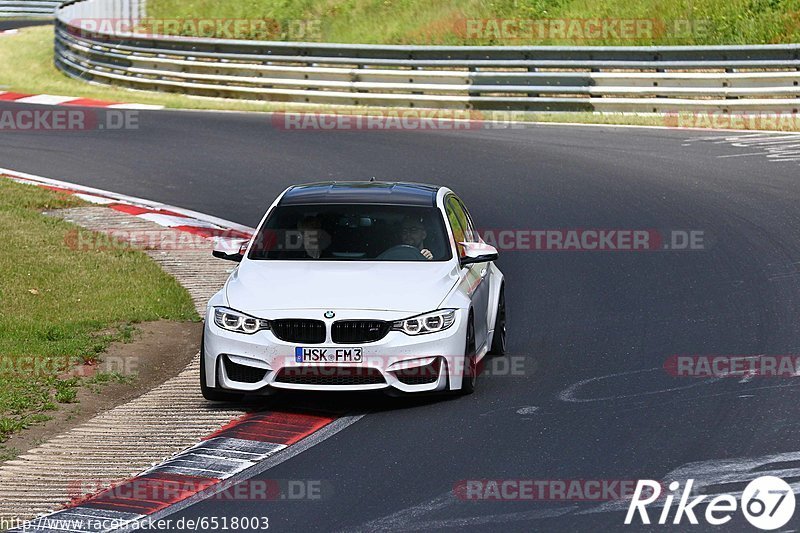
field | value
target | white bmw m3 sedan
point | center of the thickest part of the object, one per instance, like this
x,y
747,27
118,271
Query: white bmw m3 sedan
x,y
353,286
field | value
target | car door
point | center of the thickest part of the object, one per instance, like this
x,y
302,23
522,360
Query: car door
x,y
476,274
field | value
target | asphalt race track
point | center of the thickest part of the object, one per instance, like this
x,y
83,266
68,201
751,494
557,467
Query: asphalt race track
x,y
12,24
592,329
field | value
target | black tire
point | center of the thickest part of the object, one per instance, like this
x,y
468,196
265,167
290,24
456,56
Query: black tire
x,y
469,373
499,337
211,393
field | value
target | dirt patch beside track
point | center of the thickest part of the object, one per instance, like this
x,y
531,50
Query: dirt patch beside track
x,y
160,350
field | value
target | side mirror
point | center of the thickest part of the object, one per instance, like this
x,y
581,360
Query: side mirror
x,y
230,249
476,252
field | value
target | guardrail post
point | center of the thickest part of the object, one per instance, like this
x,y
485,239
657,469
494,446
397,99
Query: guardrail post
x,y
532,95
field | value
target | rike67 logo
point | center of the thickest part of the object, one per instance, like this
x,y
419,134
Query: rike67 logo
x,y
768,503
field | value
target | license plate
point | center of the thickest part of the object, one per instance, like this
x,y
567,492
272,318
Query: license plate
x,y
328,355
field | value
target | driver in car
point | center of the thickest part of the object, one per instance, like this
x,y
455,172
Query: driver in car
x,y
412,233
315,239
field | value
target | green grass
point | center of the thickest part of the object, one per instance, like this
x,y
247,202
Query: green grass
x,y
26,66
62,306
7,454
96,382
442,21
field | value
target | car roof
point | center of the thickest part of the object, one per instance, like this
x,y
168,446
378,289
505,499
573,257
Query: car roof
x,y
362,192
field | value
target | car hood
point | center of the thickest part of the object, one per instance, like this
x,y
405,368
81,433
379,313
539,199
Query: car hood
x,y
414,287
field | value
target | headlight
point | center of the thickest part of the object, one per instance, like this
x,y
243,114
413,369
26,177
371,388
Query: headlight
x,y
239,322
428,323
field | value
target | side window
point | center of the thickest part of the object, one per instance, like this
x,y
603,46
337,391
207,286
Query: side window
x,y
472,234
456,222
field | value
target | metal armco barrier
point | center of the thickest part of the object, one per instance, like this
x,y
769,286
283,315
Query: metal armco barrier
x,y
614,79
28,8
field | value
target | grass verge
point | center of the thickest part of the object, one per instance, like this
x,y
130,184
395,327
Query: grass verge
x,y
26,66
557,22
62,307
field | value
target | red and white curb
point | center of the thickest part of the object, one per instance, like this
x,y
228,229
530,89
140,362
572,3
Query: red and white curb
x,y
52,99
235,451
8,32
164,215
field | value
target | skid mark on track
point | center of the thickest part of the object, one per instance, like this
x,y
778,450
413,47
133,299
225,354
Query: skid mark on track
x,y
784,272
722,476
775,147
712,477
570,394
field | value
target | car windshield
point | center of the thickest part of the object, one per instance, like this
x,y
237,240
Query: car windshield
x,y
352,232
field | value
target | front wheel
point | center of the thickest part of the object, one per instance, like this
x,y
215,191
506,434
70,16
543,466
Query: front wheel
x,y
499,336
469,373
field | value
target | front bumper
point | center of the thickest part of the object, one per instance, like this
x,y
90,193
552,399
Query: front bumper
x,y
257,363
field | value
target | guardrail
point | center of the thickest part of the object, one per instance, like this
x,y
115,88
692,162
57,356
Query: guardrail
x,y
632,79
28,8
